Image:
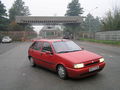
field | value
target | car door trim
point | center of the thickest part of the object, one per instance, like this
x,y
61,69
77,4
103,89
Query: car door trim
x,y
43,61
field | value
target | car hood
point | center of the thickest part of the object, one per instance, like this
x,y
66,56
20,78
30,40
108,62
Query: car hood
x,y
79,56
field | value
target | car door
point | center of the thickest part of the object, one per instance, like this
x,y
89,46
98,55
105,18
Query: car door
x,y
47,55
36,53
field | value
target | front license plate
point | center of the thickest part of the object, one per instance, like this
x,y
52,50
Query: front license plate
x,y
93,68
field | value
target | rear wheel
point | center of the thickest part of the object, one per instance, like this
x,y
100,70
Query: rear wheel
x,y
32,62
62,72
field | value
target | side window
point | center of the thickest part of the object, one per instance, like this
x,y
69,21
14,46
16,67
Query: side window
x,y
37,45
46,47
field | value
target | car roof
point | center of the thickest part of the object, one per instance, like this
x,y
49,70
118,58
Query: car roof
x,y
51,40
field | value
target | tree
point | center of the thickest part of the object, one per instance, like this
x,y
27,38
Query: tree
x,y
3,19
112,20
74,9
91,24
18,9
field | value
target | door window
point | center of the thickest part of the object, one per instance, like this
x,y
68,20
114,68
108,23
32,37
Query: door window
x,y
46,47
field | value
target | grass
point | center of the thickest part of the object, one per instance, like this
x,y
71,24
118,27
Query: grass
x,y
102,41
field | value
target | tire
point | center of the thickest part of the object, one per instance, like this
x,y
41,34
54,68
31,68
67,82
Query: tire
x,y
32,62
62,73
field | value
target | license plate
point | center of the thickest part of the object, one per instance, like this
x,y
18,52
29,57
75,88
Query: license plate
x,y
93,68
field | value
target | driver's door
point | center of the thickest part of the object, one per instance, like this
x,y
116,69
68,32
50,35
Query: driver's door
x,y
47,58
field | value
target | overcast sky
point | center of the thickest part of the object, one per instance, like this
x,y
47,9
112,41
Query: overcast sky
x,y
59,7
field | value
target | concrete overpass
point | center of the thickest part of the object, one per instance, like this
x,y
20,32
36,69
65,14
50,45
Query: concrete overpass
x,y
48,20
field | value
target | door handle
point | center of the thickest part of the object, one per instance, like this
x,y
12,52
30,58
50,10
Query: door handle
x,y
41,54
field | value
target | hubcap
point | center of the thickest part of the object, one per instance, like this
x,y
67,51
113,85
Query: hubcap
x,y
61,72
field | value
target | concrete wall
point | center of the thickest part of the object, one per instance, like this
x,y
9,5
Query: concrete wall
x,y
108,35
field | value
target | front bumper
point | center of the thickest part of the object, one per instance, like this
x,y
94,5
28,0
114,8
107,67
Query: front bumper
x,y
6,41
84,72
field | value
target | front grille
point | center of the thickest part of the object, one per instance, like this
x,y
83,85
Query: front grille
x,y
91,62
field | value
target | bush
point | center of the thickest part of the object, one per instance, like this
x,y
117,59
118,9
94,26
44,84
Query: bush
x,y
112,20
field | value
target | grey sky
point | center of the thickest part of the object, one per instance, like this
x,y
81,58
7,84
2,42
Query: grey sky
x,y
59,7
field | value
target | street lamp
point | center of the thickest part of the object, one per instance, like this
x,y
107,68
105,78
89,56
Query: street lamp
x,y
90,20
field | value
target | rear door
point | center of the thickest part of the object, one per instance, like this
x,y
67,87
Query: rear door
x,y
36,51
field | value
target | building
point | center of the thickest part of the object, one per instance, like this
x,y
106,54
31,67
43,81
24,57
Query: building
x,y
51,31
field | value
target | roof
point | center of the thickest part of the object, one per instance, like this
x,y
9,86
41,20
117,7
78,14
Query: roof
x,y
50,40
48,19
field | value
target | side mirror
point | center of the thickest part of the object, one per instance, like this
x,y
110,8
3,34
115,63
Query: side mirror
x,y
82,48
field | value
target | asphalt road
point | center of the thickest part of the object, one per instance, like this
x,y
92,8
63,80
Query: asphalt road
x,y
17,74
4,47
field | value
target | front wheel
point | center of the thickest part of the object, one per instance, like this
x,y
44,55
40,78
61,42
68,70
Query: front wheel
x,y
32,63
62,72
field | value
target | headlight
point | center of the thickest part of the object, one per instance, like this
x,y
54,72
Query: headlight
x,y
101,60
78,65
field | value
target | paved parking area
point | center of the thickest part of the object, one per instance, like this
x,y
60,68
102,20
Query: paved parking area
x,y
4,47
17,74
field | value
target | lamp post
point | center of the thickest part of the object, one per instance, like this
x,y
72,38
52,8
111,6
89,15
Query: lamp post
x,y
90,20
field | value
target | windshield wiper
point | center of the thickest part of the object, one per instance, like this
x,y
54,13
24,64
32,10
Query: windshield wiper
x,y
63,51
74,50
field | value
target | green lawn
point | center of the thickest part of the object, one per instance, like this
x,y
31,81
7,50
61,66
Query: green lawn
x,y
101,41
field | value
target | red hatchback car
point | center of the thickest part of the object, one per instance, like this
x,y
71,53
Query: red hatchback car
x,y
65,57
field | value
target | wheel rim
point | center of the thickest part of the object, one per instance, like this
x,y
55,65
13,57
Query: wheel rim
x,y
31,61
61,72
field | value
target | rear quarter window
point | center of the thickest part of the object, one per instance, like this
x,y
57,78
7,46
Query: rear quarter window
x,y
36,45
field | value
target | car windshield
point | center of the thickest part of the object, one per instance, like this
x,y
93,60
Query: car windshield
x,y
65,47
6,37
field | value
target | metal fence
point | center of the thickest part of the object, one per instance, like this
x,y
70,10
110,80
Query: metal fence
x,y
19,35
108,35
27,35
